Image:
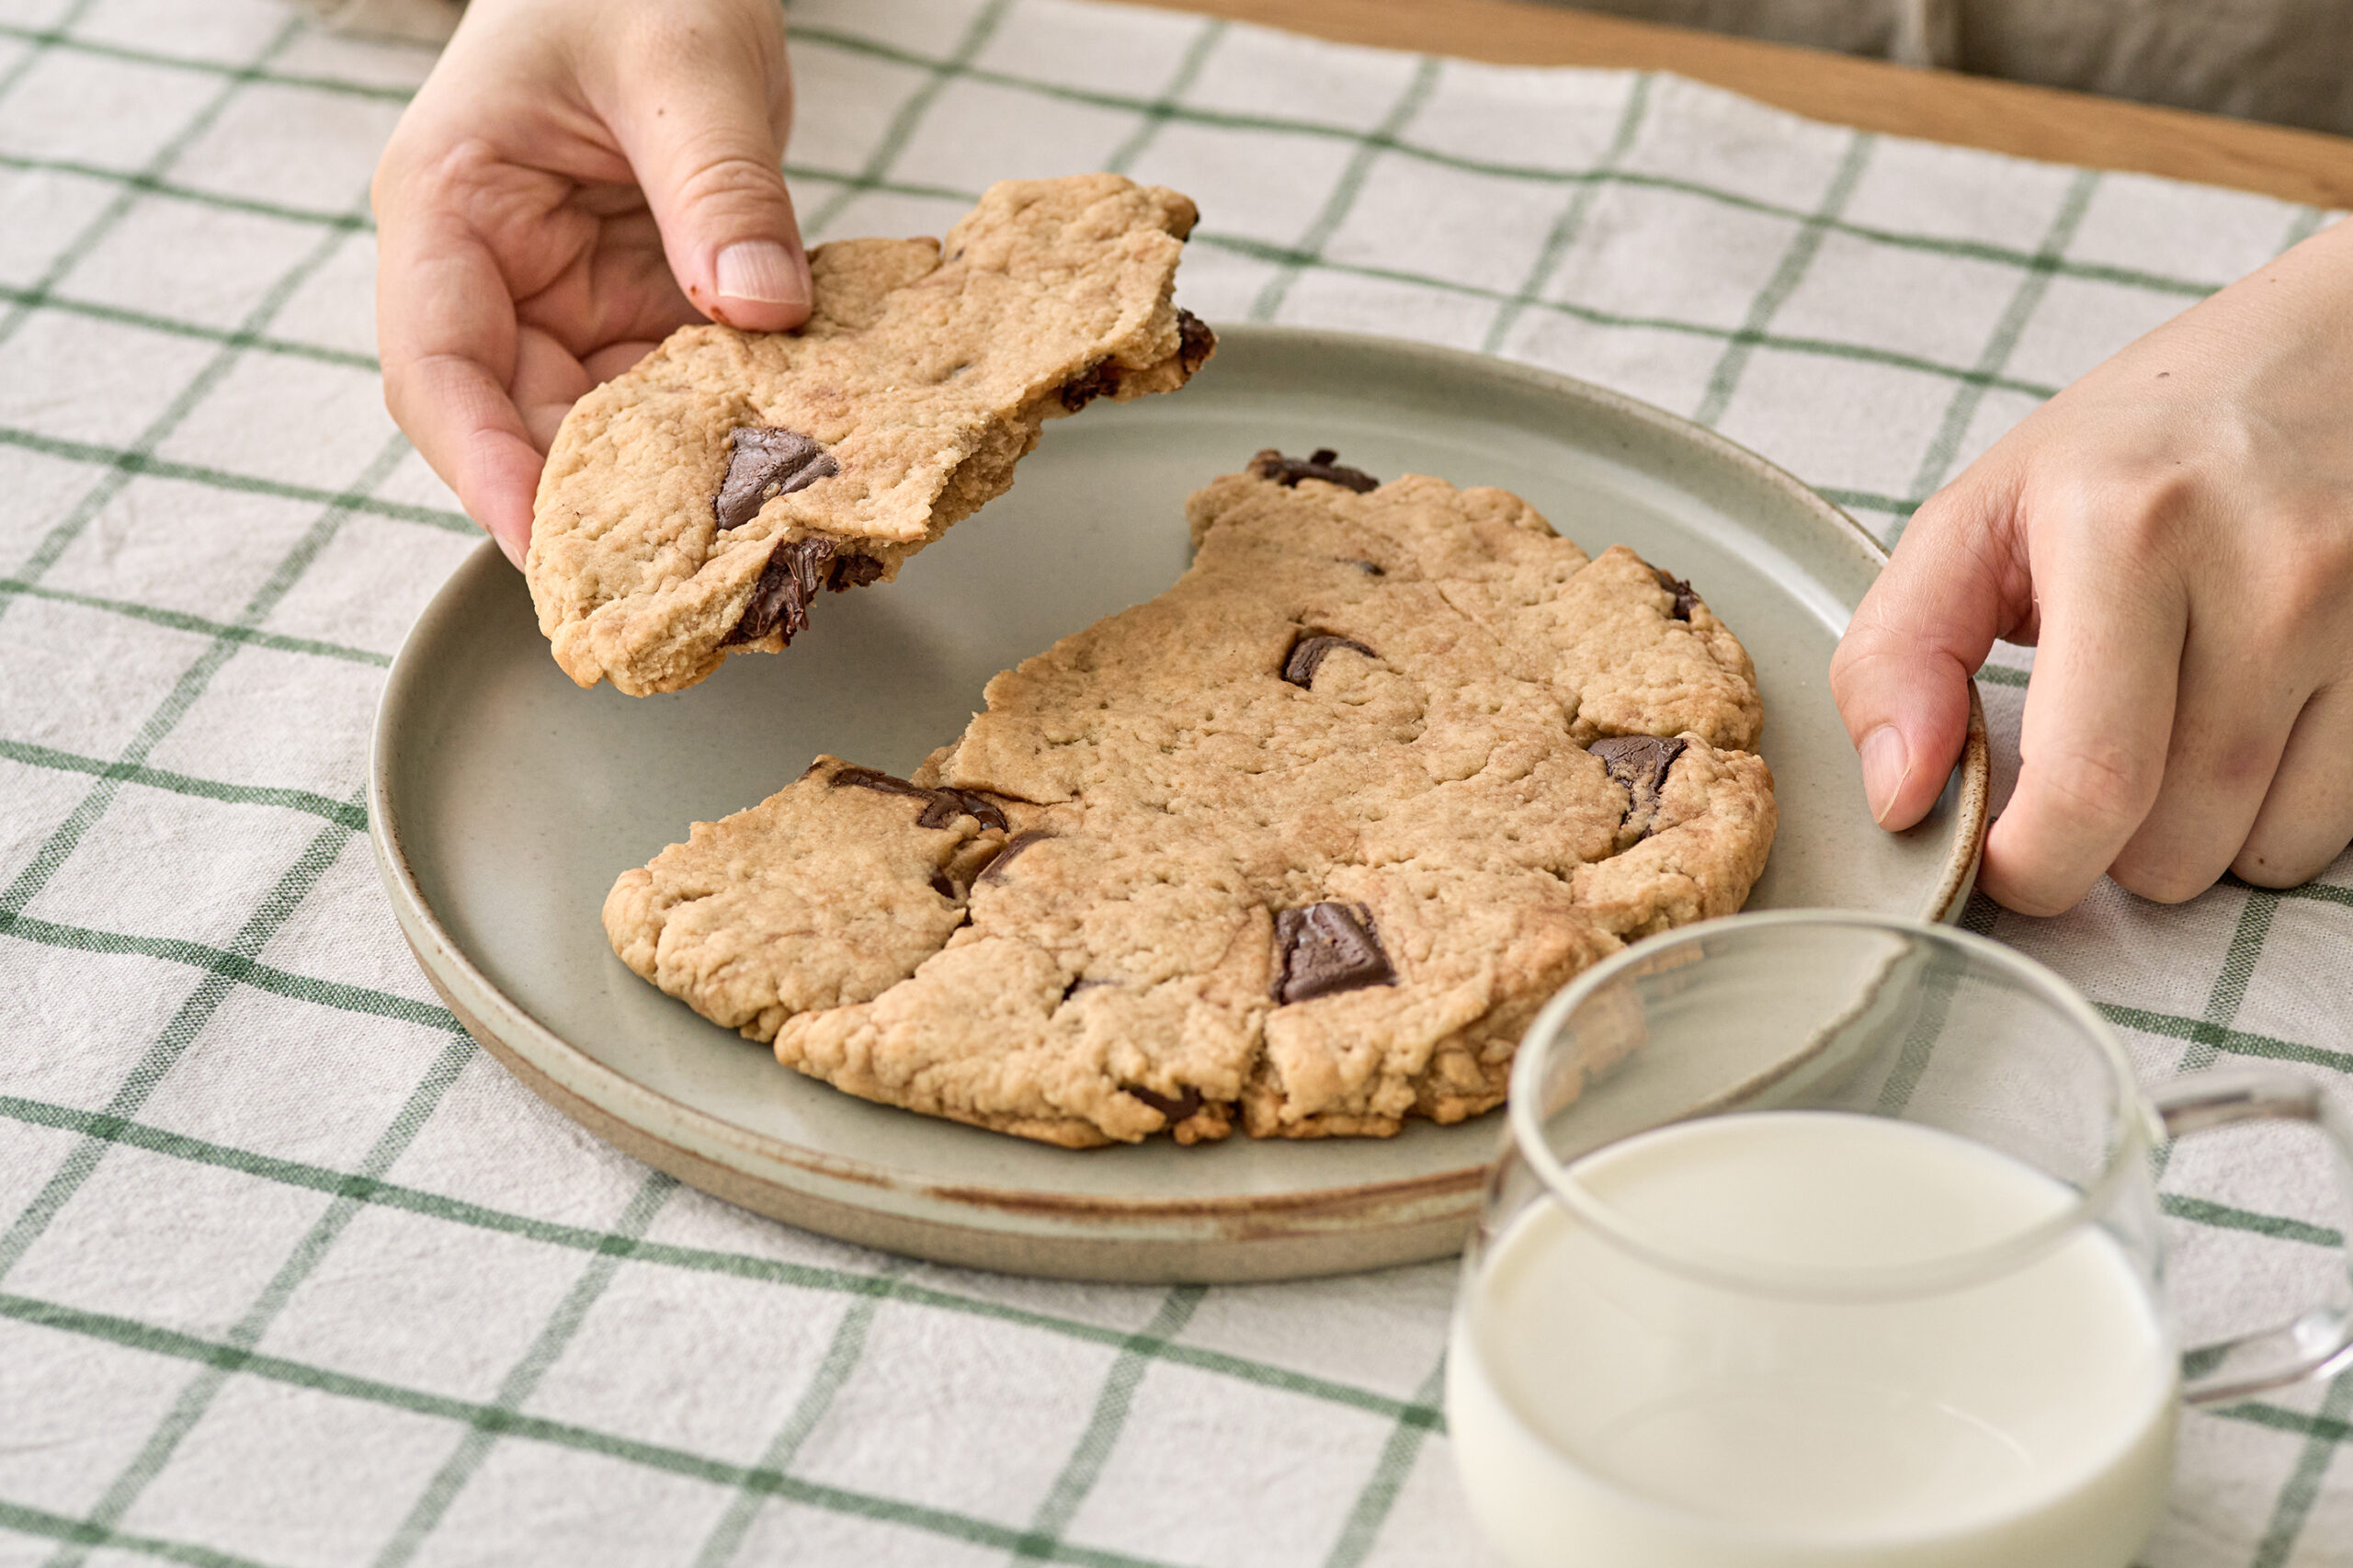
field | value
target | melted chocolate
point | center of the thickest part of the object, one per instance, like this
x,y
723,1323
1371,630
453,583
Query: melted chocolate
x,y
1176,1110
947,805
941,807
1099,379
1684,598
1325,947
1307,655
1325,464
764,464
1013,847
780,598
1638,763
853,572
1195,342
874,778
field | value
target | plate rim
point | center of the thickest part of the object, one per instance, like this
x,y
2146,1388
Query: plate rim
x,y
481,1006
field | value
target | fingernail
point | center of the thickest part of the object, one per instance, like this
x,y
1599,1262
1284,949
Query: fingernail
x,y
1886,761
761,271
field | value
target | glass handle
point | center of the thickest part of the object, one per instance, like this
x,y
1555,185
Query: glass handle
x,y
2320,1341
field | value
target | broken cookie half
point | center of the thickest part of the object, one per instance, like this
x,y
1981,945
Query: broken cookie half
x,y
695,505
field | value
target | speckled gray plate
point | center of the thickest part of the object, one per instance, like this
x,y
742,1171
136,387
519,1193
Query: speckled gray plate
x,y
503,800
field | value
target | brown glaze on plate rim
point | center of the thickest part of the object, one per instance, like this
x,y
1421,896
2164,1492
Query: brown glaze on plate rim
x,y
1065,1234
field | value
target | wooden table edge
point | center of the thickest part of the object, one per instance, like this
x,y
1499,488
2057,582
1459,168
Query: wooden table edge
x,y
1937,105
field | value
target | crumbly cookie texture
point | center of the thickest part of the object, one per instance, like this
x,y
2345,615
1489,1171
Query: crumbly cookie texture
x,y
1302,844
693,505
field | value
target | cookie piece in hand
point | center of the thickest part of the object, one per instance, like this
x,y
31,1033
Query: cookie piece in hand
x,y
695,505
1299,846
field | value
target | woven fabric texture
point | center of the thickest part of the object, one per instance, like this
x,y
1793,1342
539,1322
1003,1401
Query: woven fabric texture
x,y
291,1273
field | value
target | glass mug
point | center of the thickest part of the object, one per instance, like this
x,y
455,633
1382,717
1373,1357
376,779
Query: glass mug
x,y
1825,1240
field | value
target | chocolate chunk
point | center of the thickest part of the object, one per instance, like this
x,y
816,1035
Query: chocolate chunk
x,y
942,886
1324,465
1176,1110
1327,948
941,807
874,778
780,598
1684,598
1099,379
1308,654
947,805
766,463
1013,847
1369,568
1195,342
853,572
1638,762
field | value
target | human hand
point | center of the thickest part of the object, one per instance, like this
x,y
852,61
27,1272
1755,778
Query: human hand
x,y
2175,534
575,180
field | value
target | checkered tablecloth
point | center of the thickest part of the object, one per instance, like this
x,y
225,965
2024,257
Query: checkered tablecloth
x,y
291,1273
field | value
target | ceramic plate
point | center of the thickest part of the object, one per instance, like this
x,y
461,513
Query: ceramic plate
x,y
504,800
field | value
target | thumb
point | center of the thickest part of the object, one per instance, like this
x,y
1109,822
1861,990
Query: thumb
x,y
1901,674
703,129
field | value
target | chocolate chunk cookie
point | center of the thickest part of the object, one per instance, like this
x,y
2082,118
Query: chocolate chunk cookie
x,y
1299,846
694,505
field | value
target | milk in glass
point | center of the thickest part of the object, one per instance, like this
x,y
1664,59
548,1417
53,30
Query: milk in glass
x,y
1610,1413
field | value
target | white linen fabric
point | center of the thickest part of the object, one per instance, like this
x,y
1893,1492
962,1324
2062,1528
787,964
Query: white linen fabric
x,y
291,1273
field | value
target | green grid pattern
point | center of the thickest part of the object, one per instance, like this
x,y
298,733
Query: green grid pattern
x,y
1308,252
843,1353
1571,223
515,1388
1936,462
1637,138
1724,379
